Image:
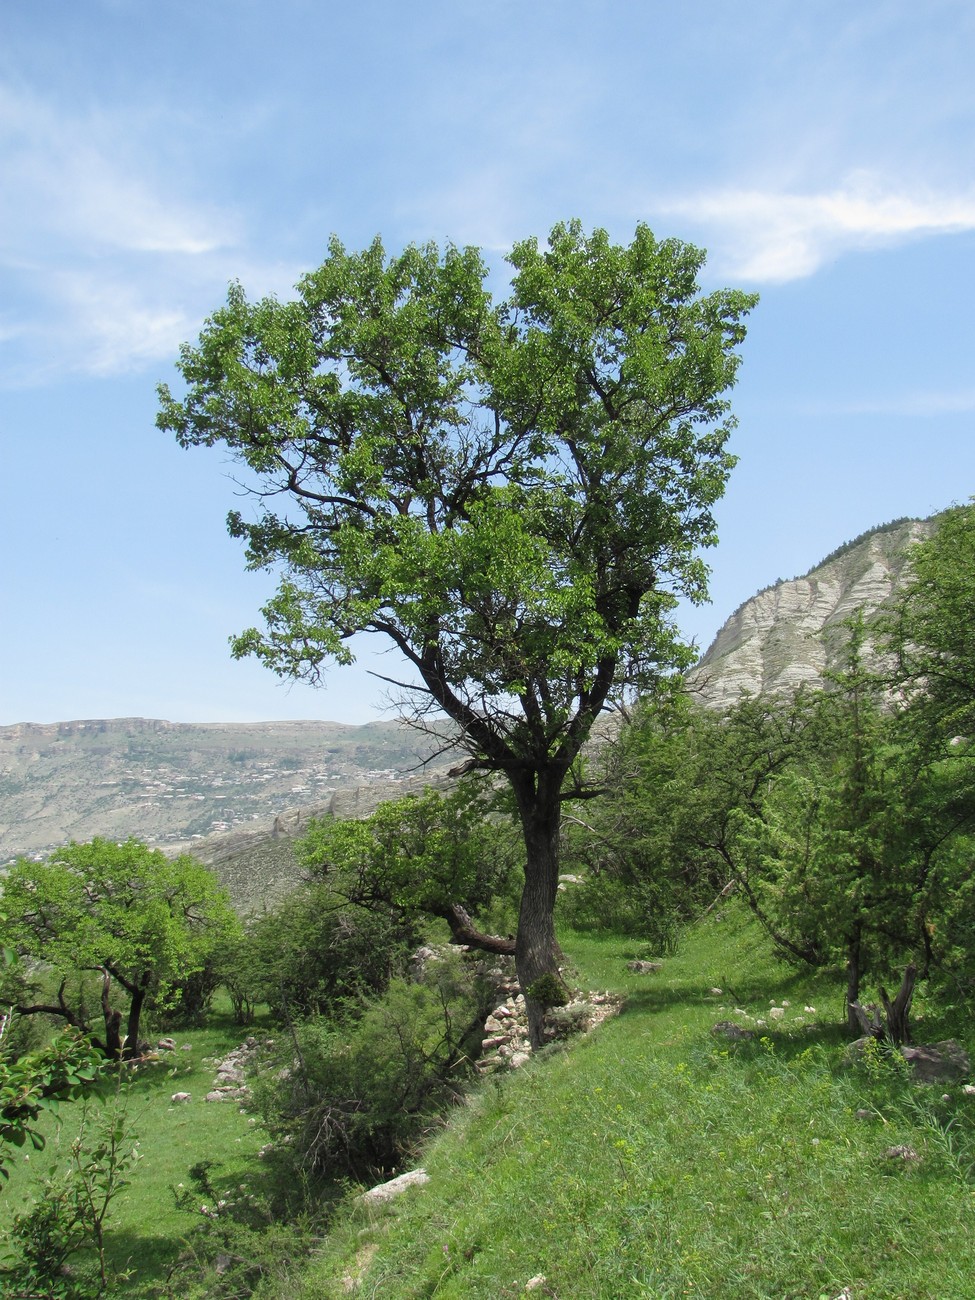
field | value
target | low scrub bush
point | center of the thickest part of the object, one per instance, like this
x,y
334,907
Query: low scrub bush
x,y
357,1091
315,953
241,1241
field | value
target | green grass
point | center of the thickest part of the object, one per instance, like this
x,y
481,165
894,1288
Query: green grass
x,y
147,1228
653,1160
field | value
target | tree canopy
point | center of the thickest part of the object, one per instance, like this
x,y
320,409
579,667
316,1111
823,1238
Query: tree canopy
x,y
125,912
513,494
933,628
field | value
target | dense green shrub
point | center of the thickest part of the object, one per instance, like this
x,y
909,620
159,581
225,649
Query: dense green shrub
x,y
354,1093
316,951
611,903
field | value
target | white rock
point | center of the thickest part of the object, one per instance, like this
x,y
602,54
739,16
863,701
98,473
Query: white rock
x,y
395,1187
180,1097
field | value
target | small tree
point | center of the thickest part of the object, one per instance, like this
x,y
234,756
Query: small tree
x,y
512,495
138,920
932,631
417,857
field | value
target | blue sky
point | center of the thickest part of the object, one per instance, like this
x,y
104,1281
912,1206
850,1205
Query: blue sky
x,y
823,152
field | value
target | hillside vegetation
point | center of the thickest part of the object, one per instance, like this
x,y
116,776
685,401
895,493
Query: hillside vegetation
x,y
656,1159
748,887
651,1159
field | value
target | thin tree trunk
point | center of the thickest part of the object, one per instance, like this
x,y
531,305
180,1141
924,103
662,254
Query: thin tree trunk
x,y
113,1022
899,1010
131,1050
853,980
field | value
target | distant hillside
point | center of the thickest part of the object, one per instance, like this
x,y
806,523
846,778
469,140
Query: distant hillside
x,y
775,640
238,794
171,784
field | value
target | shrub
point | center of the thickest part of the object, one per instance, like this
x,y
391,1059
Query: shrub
x,y
611,904
317,951
359,1090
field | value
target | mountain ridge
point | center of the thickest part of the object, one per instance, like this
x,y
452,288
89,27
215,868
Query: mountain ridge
x,y
780,639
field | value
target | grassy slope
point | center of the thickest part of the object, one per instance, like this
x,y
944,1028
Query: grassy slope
x,y
652,1161
649,1160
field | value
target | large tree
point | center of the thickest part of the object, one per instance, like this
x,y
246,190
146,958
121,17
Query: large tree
x,y
138,921
513,495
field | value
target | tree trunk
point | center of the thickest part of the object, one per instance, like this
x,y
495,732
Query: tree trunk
x,y
113,1022
463,931
853,980
135,1016
537,951
899,1010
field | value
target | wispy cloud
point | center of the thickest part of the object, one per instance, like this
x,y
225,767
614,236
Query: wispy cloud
x,y
918,404
83,181
767,236
104,266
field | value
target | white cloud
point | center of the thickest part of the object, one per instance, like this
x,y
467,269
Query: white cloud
x,y
104,267
910,404
86,182
764,235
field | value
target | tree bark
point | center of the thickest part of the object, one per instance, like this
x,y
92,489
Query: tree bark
x,y
853,980
463,931
537,951
138,997
113,1022
898,1012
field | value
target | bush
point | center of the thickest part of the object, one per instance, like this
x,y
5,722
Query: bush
x,y
316,952
613,904
358,1091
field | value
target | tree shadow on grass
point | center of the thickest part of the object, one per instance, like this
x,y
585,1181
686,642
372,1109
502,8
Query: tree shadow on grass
x,y
261,1201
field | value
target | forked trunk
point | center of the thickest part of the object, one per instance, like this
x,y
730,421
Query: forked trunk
x,y
135,1019
537,951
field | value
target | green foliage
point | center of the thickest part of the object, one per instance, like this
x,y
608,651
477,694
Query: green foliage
x,y
932,630
513,495
240,1241
70,1211
548,990
315,952
615,901
358,1091
659,848
448,483
36,1083
140,920
416,855
849,845
650,1161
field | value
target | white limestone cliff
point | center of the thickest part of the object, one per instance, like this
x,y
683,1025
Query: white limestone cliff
x,y
790,633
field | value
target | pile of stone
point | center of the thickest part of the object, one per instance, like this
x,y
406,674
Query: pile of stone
x,y
231,1081
505,1045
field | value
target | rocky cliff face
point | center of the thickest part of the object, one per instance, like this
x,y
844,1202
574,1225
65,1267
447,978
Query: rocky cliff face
x,y
781,638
